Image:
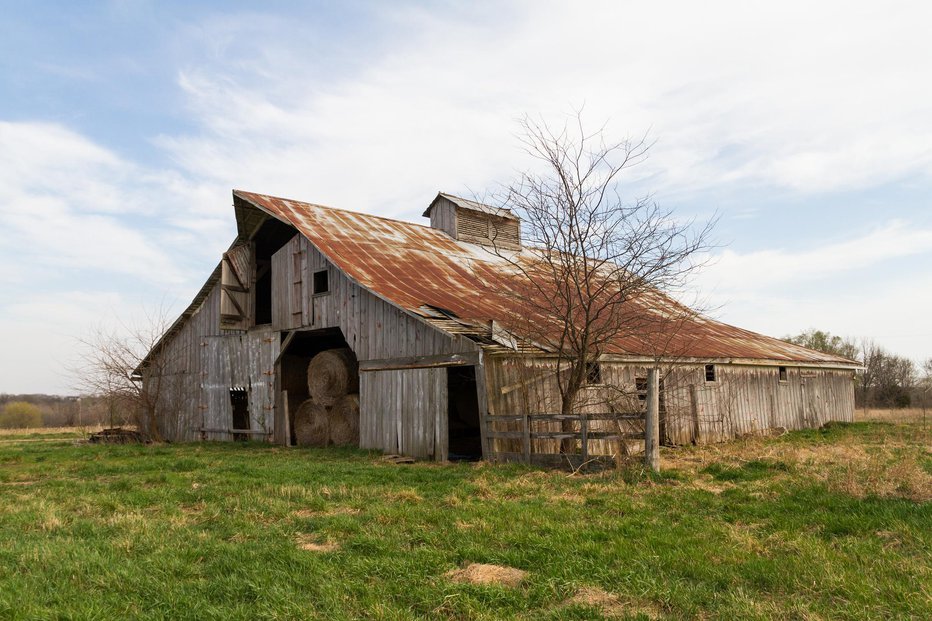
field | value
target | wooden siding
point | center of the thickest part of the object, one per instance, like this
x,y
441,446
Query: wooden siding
x,y
242,360
744,399
405,412
481,228
443,216
399,409
201,363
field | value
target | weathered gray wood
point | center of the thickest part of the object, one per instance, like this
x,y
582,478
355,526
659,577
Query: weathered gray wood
x,y
251,432
694,412
285,434
527,439
652,421
419,362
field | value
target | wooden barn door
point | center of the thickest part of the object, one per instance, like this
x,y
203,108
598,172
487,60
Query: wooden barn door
x,y
235,284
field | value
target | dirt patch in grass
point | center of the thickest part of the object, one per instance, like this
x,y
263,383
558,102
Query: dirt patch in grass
x,y
610,604
312,513
311,544
485,574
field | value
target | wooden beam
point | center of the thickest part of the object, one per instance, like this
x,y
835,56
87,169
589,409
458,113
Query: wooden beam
x,y
252,432
483,401
284,346
419,362
652,423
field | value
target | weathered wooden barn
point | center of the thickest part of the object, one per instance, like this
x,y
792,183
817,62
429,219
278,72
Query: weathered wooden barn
x,y
420,307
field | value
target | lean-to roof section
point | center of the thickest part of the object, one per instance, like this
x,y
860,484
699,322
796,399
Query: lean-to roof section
x,y
421,269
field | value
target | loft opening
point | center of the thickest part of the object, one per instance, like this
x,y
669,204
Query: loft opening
x,y
782,373
270,237
710,372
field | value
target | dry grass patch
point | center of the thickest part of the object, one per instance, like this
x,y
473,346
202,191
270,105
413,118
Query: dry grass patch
x,y
890,415
50,430
311,544
334,511
485,574
610,605
402,495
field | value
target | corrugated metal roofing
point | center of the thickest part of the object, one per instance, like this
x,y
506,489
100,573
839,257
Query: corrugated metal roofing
x,y
421,269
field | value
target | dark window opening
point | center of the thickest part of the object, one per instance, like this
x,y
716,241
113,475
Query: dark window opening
x,y
640,387
270,237
593,373
464,438
239,400
782,374
263,292
710,372
321,282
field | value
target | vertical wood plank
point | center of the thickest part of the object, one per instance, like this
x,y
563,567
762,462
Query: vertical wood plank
x,y
652,422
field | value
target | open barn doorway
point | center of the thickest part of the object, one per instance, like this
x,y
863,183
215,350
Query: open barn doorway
x,y
294,359
464,435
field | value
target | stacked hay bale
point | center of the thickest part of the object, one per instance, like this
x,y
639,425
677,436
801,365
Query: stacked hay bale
x,y
331,415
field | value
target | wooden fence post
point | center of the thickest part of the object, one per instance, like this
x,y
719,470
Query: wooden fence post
x,y
527,438
584,432
652,422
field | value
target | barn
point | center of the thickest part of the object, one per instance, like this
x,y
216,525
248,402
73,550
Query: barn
x,y
418,310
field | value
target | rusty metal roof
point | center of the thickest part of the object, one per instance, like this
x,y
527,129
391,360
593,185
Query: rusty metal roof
x,y
462,287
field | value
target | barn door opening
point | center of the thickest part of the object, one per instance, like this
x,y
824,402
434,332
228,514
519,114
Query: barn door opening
x,y
464,437
239,399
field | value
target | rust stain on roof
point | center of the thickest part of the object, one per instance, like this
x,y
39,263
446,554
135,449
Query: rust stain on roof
x,y
417,267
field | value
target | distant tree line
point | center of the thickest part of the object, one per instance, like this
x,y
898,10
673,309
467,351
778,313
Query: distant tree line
x,y
39,410
886,380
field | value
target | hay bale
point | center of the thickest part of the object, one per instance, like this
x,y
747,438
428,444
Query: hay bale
x,y
312,424
332,374
344,421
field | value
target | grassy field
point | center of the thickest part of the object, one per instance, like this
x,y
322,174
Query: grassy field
x,y
828,524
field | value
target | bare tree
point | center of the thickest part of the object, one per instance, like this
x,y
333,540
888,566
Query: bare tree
x,y
603,267
114,368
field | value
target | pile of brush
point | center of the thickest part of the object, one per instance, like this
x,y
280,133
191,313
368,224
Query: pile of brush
x,y
331,415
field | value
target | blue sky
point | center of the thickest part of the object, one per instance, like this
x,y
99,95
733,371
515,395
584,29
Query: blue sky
x,y
124,126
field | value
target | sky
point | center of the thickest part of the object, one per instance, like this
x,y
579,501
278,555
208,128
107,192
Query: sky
x,y
125,125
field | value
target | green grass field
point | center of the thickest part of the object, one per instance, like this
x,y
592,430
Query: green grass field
x,y
830,524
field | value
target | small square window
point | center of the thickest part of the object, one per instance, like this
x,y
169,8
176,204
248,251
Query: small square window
x,y
321,282
640,387
593,373
782,374
710,372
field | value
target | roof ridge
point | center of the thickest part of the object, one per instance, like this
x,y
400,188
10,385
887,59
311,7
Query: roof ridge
x,y
331,208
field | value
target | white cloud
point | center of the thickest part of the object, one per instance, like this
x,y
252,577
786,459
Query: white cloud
x,y
734,273
811,97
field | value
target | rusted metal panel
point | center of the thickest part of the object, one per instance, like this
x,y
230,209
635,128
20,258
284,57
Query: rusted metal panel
x,y
411,266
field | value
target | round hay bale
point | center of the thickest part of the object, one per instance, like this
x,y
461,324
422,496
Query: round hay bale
x,y
344,421
311,424
332,374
